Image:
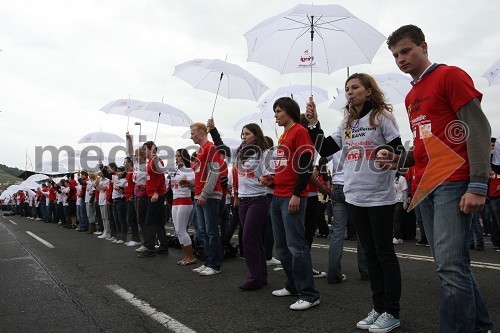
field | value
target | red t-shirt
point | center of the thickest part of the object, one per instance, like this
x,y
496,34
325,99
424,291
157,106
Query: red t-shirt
x,y
129,189
493,183
293,143
431,105
207,154
21,197
72,189
155,180
109,191
52,194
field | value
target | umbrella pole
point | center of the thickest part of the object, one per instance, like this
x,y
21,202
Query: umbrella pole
x,y
312,53
217,94
157,122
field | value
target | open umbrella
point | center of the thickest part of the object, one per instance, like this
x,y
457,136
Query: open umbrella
x,y
394,85
299,92
162,113
264,119
122,106
222,78
100,137
286,42
187,135
492,74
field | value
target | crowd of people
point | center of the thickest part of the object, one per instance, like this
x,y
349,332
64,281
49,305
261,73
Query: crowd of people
x,y
278,198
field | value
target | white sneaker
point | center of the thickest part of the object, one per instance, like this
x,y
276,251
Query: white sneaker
x,y
282,292
104,235
141,249
59,223
132,243
199,269
303,305
98,233
114,241
273,262
110,238
318,274
119,242
368,321
209,271
397,241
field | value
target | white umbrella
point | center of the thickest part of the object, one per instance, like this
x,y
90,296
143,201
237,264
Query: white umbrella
x,y
105,137
222,78
122,107
492,74
187,135
37,178
299,92
285,42
162,113
394,85
266,121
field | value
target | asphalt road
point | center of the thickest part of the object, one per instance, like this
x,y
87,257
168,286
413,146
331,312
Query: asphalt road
x,y
85,284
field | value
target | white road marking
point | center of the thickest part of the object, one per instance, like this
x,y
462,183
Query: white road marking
x,y
41,240
12,222
163,319
478,264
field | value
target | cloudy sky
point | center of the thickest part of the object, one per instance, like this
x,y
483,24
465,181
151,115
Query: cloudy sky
x,y
61,61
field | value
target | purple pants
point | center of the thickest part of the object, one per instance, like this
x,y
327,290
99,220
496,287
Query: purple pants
x,y
253,212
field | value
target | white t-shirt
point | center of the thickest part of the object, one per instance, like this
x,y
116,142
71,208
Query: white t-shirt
x,y
496,153
139,175
338,168
90,189
117,183
78,195
365,184
400,186
249,172
103,186
179,191
64,196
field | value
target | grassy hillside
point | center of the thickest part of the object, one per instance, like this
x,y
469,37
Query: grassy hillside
x,y
6,177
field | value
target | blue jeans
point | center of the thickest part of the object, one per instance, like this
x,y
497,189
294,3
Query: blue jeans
x,y
339,224
495,222
292,248
476,230
418,217
207,217
448,232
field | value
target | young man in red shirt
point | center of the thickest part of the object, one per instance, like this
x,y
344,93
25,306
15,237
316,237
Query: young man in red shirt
x,y
293,169
207,193
156,190
451,139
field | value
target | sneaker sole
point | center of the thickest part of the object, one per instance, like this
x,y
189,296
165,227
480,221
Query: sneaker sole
x,y
384,330
315,303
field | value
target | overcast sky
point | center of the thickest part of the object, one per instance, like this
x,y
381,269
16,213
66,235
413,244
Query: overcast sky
x,y
61,61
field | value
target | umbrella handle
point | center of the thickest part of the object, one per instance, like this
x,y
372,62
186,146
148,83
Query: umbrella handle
x,y
217,94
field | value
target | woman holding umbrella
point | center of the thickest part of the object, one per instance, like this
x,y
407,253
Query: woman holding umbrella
x,y
368,126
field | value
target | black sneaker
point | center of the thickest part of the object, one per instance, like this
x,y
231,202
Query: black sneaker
x,y
472,246
422,242
162,250
318,274
147,254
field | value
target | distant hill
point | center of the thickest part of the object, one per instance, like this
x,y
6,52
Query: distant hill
x,y
8,178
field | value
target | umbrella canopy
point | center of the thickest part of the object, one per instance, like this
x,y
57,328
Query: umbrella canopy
x,y
283,42
286,42
264,119
162,113
37,178
122,106
394,85
299,92
222,78
492,73
187,135
100,137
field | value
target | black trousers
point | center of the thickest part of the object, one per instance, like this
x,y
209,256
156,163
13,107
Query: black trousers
x,y
374,228
155,224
